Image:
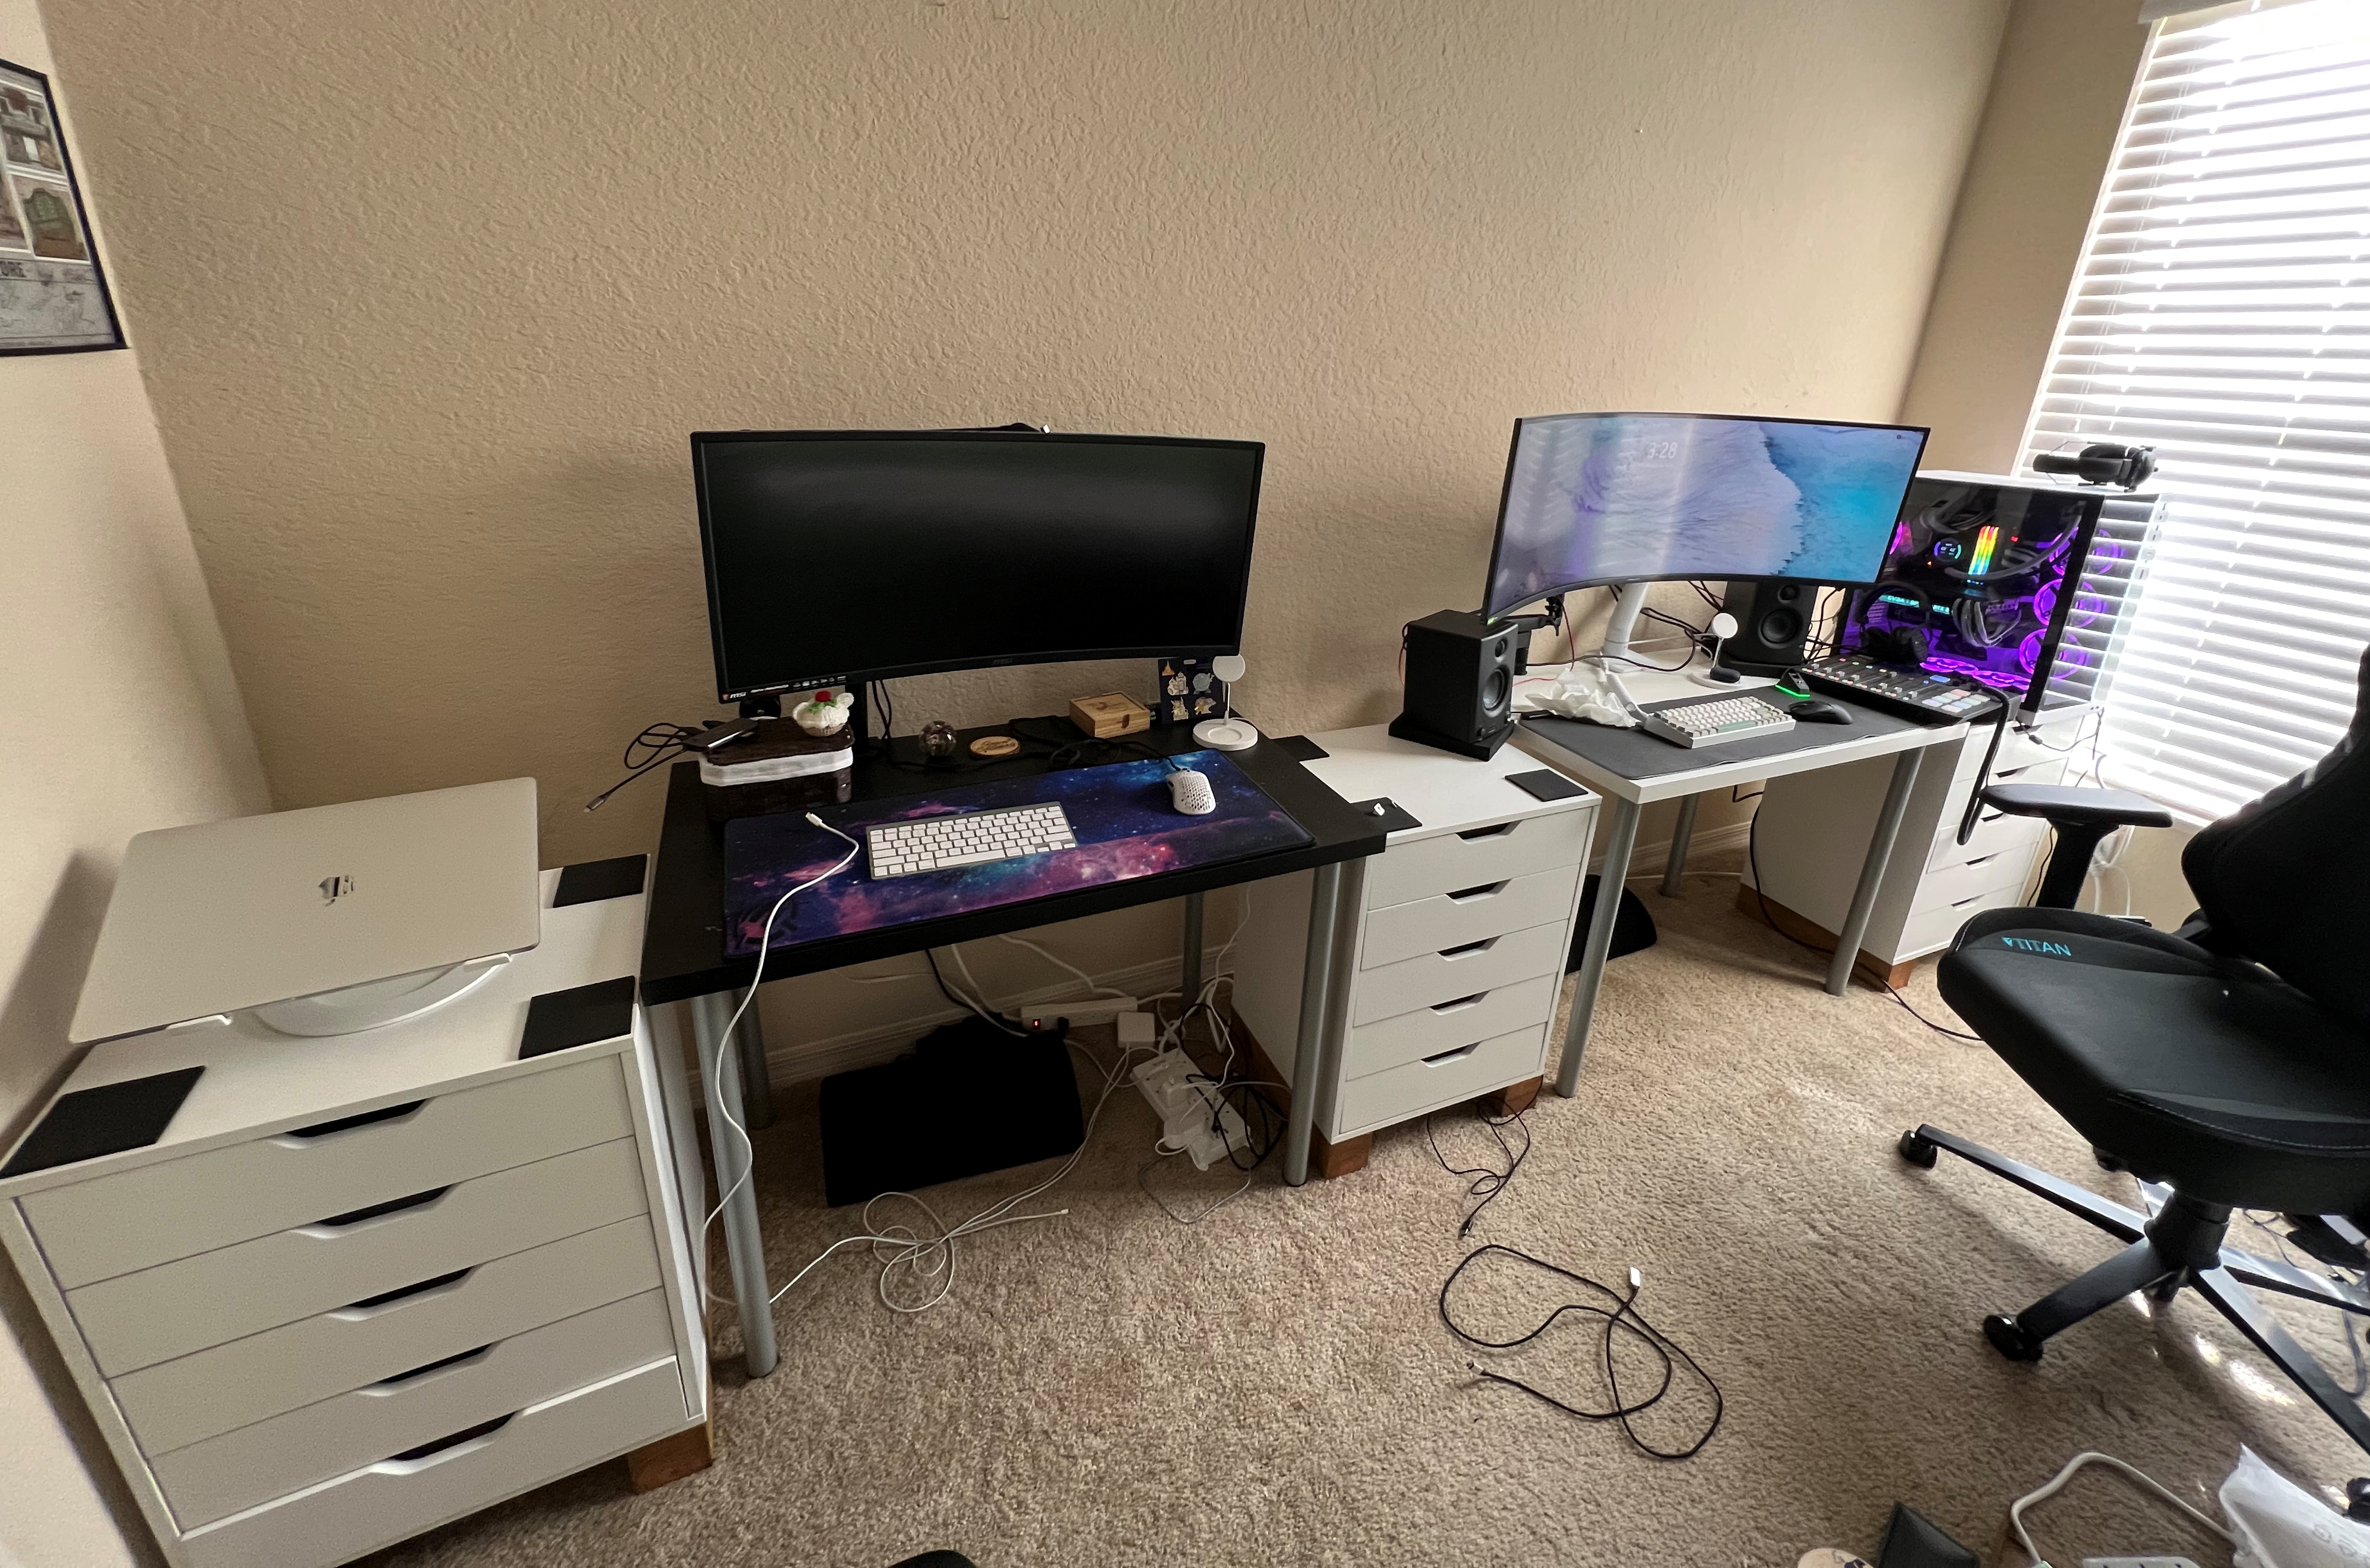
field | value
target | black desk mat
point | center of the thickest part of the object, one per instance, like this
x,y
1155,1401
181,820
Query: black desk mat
x,y
109,1119
1634,754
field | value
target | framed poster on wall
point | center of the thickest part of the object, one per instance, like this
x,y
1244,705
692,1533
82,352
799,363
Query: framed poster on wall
x,y
54,297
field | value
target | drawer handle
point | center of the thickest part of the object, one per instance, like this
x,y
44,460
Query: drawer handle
x,y
371,1306
1499,832
389,1384
411,1461
1461,1004
1468,949
1987,859
392,1206
1459,1054
347,1124
1962,903
1467,895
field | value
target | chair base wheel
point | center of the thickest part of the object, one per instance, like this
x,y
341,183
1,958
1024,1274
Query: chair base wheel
x,y
2010,1338
1918,1151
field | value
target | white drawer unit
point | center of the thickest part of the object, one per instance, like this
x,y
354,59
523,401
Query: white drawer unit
x,y
1452,958
1812,831
361,1286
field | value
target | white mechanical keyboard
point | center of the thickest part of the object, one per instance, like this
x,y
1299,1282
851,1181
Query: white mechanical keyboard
x,y
1716,721
973,838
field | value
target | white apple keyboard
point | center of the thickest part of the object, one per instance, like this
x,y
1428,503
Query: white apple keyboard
x,y
970,838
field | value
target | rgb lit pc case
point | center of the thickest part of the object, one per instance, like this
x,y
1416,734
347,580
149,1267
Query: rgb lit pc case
x,y
1980,566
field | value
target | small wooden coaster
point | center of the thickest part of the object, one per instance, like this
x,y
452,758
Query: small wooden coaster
x,y
994,746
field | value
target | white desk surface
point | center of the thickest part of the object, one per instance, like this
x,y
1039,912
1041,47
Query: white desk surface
x,y
1444,791
257,1080
1655,686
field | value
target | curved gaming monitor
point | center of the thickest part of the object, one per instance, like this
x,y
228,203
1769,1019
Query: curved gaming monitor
x,y
1598,499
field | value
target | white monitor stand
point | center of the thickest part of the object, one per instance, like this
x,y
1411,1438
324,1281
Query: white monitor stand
x,y
1626,610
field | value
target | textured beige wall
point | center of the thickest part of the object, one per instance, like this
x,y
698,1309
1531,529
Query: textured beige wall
x,y
117,691
2065,71
436,291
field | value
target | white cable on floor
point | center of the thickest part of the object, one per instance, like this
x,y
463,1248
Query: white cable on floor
x,y
2056,1483
1093,985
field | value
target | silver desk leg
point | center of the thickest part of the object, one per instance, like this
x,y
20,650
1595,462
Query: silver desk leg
x,y
1190,974
1615,870
756,1078
1315,1001
1677,866
742,1242
1871,870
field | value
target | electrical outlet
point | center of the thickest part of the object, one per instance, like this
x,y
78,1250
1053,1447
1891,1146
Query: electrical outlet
x,y
2138,1563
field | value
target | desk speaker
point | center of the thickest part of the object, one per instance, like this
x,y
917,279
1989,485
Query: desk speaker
x,y
1773,619
1458,691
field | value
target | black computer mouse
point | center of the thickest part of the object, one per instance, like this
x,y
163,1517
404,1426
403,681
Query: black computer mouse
x,y
1816,710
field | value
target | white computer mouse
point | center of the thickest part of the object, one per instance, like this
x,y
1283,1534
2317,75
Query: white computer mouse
x,y
1190,792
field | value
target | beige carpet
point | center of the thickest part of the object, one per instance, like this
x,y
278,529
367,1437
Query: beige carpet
x,y
1272,1385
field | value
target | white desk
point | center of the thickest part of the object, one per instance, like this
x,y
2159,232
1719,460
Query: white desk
x,y
1630,790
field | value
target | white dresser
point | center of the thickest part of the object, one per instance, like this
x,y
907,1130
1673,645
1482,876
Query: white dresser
x,y
1462,927
368,1283
1813,828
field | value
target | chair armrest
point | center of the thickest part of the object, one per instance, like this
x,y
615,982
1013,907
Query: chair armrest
x,y
2068,806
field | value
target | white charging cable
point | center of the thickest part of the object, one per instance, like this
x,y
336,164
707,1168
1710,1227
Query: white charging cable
x,y
765,946
2057,1483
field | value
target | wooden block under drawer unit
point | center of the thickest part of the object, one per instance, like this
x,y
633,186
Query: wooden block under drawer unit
x,y
1399,1093
1428,1031
218,1477
1434,978
178,1402
1467,914
137,1320
176,1208
418,1488
1450,860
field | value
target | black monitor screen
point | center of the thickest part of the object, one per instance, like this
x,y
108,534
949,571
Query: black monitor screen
x,y
835,555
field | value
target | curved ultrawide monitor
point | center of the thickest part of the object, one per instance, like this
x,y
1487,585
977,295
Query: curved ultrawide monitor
x,y
1593,499
837,556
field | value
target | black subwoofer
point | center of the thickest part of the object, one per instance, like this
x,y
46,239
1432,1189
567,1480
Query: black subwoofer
x,y
1458,693
1772,621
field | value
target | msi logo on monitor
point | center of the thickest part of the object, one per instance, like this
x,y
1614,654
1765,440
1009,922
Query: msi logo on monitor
x,y
335,887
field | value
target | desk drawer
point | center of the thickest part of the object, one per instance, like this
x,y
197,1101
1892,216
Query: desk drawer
x,y
1997,831
1953,883
1934,927
1428,1031
1445,920
1407,871
395,1497
178,1402
1380,1099
136,1319
1434,978
135,1220
216,1477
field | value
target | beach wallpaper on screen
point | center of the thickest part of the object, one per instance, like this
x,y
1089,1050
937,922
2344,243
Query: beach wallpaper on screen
x,y
1610,498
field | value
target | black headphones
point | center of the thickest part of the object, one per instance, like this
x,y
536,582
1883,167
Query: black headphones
x,y
1897,644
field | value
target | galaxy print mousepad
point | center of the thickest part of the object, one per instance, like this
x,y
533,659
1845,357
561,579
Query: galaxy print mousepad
x,y
1119,813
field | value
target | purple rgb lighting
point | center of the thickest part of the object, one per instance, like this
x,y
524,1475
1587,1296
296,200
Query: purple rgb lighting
x,y
2001,679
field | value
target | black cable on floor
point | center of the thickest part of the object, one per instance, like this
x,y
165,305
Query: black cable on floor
x,y
1621,1318
1487,1181
1929,1022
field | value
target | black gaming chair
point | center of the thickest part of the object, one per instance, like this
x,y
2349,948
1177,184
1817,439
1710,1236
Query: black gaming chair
x,y
2226,1065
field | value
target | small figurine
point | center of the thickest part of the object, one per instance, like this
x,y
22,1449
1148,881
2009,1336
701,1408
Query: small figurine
x,y
937,739
826,714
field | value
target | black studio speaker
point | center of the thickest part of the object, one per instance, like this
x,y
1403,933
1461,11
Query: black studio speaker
x,y
1773,619
1458,693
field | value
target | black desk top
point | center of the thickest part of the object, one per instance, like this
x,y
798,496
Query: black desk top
x,y
683,943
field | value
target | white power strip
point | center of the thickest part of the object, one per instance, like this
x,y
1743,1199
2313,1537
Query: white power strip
x,y
1093,1010
1184,1108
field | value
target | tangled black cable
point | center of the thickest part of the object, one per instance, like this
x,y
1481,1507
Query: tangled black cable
x,y
1621,1318
1487,1181
655,744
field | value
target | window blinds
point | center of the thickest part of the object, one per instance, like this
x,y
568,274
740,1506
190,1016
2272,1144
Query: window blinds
x,y
2222,315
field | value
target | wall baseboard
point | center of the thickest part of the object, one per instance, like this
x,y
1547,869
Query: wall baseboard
x,y
795,1062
